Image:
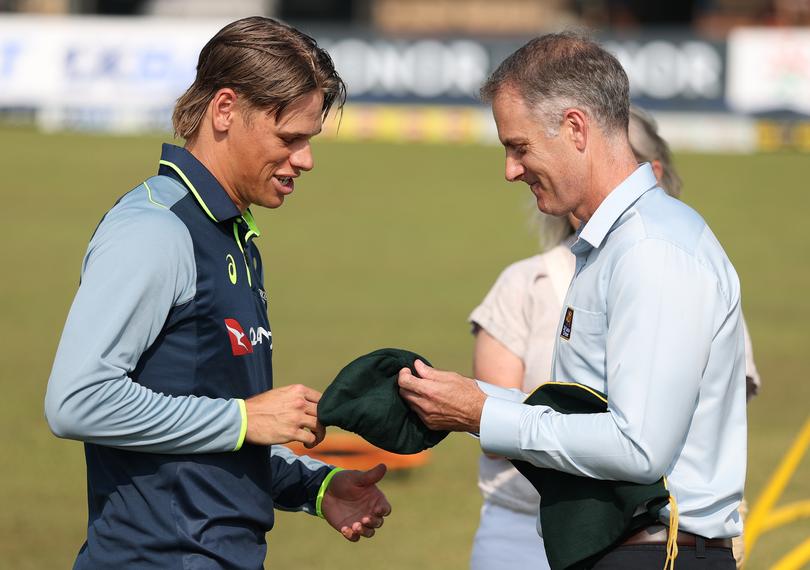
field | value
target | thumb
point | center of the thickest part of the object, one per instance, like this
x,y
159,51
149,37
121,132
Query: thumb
x,y
372,476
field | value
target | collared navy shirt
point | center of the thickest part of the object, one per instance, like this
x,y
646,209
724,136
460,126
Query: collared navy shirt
x,y
167,336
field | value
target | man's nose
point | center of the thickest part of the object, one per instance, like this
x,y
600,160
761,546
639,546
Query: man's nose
x,y
514,169
302,158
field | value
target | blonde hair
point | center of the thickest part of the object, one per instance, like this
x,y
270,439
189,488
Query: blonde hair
x,y
268,63
648,145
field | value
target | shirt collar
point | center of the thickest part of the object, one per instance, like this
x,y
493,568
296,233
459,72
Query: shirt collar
x,y
181,165
616,203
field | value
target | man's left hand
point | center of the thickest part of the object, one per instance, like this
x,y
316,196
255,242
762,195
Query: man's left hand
x,y
442,400
354,505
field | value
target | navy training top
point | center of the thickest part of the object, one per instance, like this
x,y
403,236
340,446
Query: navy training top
x,y
167,336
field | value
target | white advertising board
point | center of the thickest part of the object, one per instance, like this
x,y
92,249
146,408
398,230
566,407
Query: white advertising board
x,y
98,66
769,70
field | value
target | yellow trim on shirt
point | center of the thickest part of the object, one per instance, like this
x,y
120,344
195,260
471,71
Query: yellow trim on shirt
x,y
586,388
243,429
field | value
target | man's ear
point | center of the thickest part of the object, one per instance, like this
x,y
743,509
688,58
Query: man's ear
x,y
223,109
575,126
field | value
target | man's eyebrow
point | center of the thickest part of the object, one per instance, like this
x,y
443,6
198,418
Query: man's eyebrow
x,y
301,134
513,141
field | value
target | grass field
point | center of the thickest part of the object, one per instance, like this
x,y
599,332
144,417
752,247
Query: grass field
x,y
381,245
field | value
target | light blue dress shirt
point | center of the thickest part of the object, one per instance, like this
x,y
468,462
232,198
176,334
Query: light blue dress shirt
x,y
656,326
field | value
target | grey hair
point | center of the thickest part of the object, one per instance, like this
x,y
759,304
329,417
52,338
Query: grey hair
x,y
559,71
648,145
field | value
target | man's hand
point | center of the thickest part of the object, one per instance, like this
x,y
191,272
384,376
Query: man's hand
x,y
283,415
354,505
442,400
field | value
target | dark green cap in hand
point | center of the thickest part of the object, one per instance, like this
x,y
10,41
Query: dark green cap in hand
x,y
364,399
582,518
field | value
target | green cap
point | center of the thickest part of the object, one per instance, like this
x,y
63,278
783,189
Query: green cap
x,y
583,518
364,399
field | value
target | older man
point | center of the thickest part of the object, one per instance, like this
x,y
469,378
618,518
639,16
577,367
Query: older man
x,y
651,319
164,367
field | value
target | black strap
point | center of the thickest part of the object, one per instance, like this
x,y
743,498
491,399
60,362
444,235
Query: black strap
x,y
700,547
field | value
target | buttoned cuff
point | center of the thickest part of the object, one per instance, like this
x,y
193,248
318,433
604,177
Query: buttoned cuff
x,y
500,427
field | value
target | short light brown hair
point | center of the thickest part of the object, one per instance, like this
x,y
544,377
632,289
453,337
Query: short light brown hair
x,y
559,71
267,63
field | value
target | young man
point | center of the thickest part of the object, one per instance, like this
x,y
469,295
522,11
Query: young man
x,y
164,367
651,318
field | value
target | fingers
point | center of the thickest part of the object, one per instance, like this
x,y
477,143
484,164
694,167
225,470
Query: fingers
x,y
360,529
428,373
349,534
309,422
373,522
366,527
366,531
408,381
284,414
306,437
356,531
423,369
309,430
383,509
319,433
305,392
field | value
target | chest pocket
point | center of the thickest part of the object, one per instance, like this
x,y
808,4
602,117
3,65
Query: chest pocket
x,y
582,345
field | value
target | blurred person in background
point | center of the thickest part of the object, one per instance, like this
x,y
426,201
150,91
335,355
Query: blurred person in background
x,y
164,368
652,319
514,330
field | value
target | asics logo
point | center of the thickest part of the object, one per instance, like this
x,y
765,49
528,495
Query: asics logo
x,y
231,268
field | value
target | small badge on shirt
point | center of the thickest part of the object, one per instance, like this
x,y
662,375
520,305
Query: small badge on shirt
x,y
568,322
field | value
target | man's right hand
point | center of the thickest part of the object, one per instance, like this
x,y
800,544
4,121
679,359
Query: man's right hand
x,y
283,415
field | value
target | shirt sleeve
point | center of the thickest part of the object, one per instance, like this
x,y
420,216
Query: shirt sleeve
x,y
493,391
504,312
297,479
662,307
138,266
752,379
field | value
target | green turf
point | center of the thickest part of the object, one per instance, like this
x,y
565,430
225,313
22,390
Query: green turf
x,y
382,245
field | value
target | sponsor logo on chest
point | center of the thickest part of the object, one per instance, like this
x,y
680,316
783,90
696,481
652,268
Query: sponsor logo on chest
x,y
242,343
568,323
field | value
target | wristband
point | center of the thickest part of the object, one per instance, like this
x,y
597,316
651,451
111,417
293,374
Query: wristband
x,y
322,490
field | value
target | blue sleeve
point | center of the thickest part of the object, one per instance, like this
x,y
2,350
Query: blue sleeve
x,y
296,479
669,304
139,264
509,394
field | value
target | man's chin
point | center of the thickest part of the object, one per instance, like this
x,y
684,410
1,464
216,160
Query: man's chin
x,y
551,209
272,203
545,207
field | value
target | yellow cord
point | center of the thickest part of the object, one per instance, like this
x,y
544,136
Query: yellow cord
x,y
672,538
